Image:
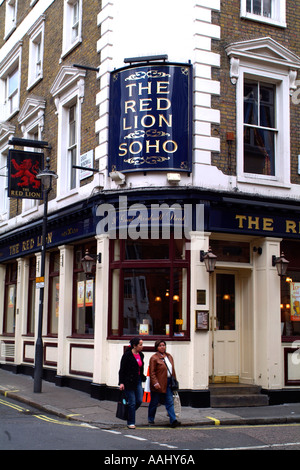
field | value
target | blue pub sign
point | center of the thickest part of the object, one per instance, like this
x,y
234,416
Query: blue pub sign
x,y
150,118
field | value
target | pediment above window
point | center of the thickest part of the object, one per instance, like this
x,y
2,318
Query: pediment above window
x,y
264,49
263,53
67,78
7,131
33,106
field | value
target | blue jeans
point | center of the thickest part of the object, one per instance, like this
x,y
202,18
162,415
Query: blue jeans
x,y
134,399
168,401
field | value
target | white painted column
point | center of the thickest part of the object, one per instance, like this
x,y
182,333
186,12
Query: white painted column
x,y
267,331
199,358
101,313
21,307
65,307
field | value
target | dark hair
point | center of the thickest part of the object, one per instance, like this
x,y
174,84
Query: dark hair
x,y
134,341
157,343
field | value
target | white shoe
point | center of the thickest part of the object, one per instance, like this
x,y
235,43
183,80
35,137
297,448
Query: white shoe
x,y
131,426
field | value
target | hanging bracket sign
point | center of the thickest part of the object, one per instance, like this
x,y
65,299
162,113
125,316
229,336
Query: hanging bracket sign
x,y
22,170
150,118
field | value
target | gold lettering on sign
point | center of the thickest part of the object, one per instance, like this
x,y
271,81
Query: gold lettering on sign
x,y
290,226
255,223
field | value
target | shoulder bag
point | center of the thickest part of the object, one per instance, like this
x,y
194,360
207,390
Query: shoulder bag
x,y
174,382
122,407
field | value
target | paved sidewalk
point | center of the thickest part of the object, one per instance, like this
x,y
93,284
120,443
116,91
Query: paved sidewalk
x,y
75,405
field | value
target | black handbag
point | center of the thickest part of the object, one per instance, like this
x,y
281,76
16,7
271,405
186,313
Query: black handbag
x,y
122,408
174,383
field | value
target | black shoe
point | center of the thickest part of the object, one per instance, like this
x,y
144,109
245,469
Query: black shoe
x,y
151,423
175,424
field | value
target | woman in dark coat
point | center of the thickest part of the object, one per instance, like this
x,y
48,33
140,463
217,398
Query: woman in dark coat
x,y
131,376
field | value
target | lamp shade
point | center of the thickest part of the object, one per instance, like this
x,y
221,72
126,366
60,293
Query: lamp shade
x,y
210,261
281,265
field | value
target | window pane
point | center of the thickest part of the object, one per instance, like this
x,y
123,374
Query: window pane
x,y
249,6
147,249
257,7
115,300
54,305
13,82
31,296
290,304
267,115
267,8
259,148
179,303
146,301
73,161
85,301
10,308
251,103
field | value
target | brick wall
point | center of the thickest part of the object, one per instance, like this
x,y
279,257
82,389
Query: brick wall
x,y
84,54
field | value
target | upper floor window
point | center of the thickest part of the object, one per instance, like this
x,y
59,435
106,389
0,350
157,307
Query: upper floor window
x,y
267,11
72,25
36,52
12,90
72,148
10,83
259,128
264,73
260,7
10,16
68,92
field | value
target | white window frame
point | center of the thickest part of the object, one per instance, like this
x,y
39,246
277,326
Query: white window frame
x,y
265,60
10,17
7,68
71,24
278,13
67,90
282,119
36,52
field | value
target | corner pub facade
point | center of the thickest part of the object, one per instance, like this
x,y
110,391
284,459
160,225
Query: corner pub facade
x,y
190,132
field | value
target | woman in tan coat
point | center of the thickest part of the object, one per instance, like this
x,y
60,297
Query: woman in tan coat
x,y
161,368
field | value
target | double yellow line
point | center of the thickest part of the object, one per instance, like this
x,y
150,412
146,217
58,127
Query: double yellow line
x,y
48,419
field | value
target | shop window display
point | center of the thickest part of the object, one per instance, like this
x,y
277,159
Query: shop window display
x,y
290,293
149,288
84,294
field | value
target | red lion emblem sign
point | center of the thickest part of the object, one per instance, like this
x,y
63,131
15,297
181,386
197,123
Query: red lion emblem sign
x,y
22,170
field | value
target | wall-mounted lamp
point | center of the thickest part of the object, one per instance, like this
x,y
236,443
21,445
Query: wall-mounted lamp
x,y
118,177
89,261
209,259
281,264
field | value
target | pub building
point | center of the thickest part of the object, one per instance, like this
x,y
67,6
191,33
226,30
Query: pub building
x,y
162,241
